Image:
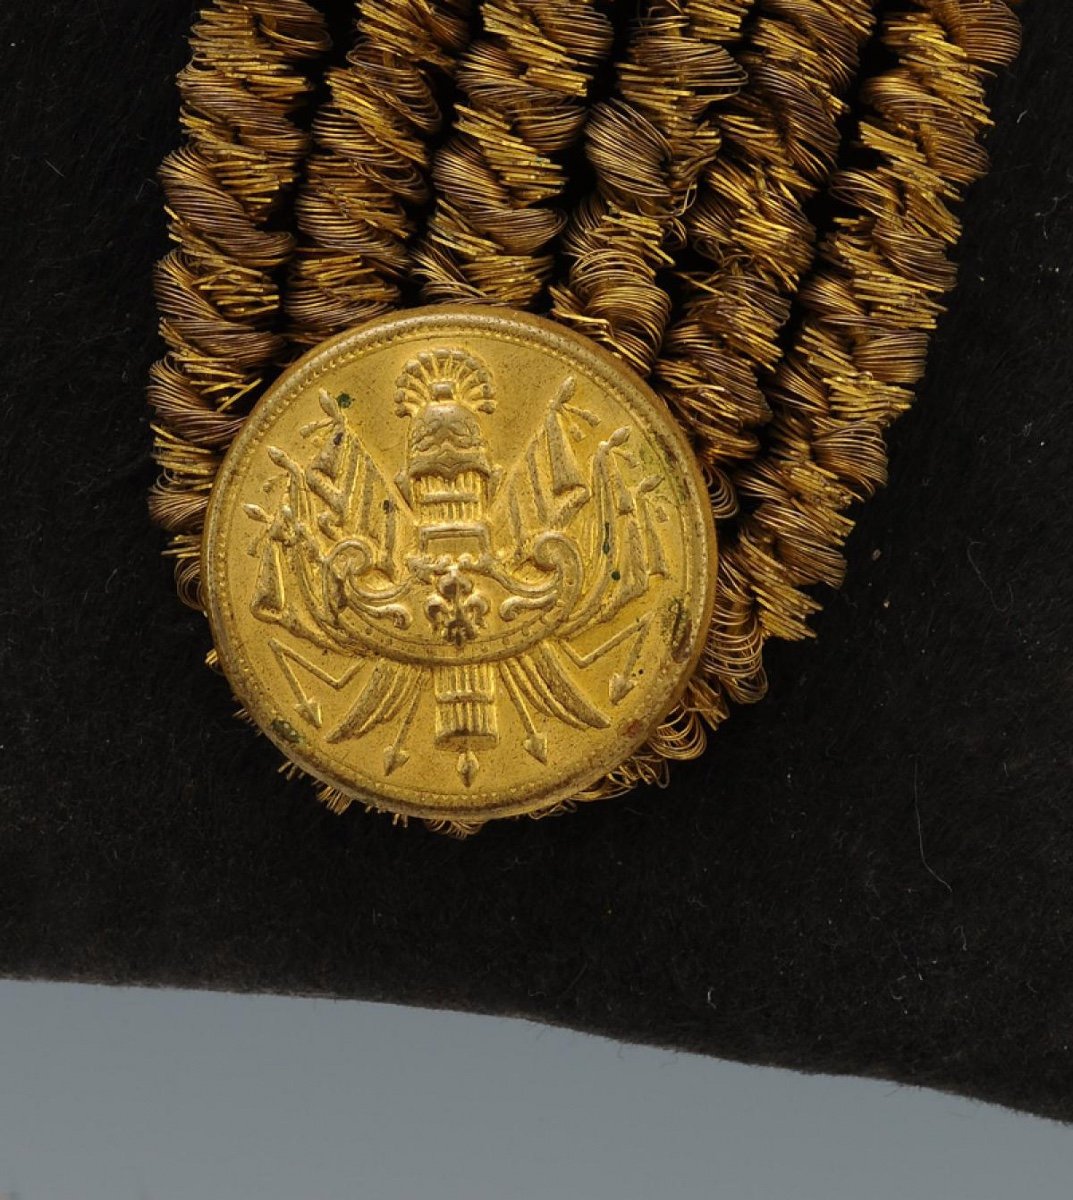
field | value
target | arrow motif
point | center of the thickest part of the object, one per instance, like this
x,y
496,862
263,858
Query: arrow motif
x,y
396,755
621,682
536,743
307,707
468,766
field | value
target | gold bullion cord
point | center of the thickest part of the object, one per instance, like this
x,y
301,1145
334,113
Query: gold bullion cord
x,y
686,260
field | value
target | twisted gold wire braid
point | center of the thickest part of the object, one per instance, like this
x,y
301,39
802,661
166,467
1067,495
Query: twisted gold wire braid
x,y
368,179
524,88
780,141
868,311
647,147
684,160
216,291
871,304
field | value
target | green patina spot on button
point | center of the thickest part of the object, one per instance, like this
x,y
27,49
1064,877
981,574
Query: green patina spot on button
x,y
286,730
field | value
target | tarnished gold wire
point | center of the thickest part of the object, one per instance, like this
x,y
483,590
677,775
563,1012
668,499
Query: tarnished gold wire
x,y
367,183
523,101
725,172
869,306
218,289
749,226
647,147
722,130
868,309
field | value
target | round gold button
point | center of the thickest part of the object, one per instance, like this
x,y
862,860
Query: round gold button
x,y
459,563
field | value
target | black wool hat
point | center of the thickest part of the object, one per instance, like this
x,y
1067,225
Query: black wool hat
x,y
870,872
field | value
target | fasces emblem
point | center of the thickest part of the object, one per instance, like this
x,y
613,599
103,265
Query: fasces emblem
x,y
459,564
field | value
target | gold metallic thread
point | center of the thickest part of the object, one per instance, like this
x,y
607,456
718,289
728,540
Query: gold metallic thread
x,y
780,142
713,145
368,180
647,147
749,226
523,101
217,290
649,150
869,308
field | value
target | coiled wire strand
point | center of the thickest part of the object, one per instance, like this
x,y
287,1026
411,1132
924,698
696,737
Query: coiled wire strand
x,y
869,308
524,101
217,291
367,183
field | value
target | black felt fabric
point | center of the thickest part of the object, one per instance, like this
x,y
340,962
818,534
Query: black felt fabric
x,y
872,872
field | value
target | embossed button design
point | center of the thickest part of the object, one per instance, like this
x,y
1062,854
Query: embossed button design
x,y
459,563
